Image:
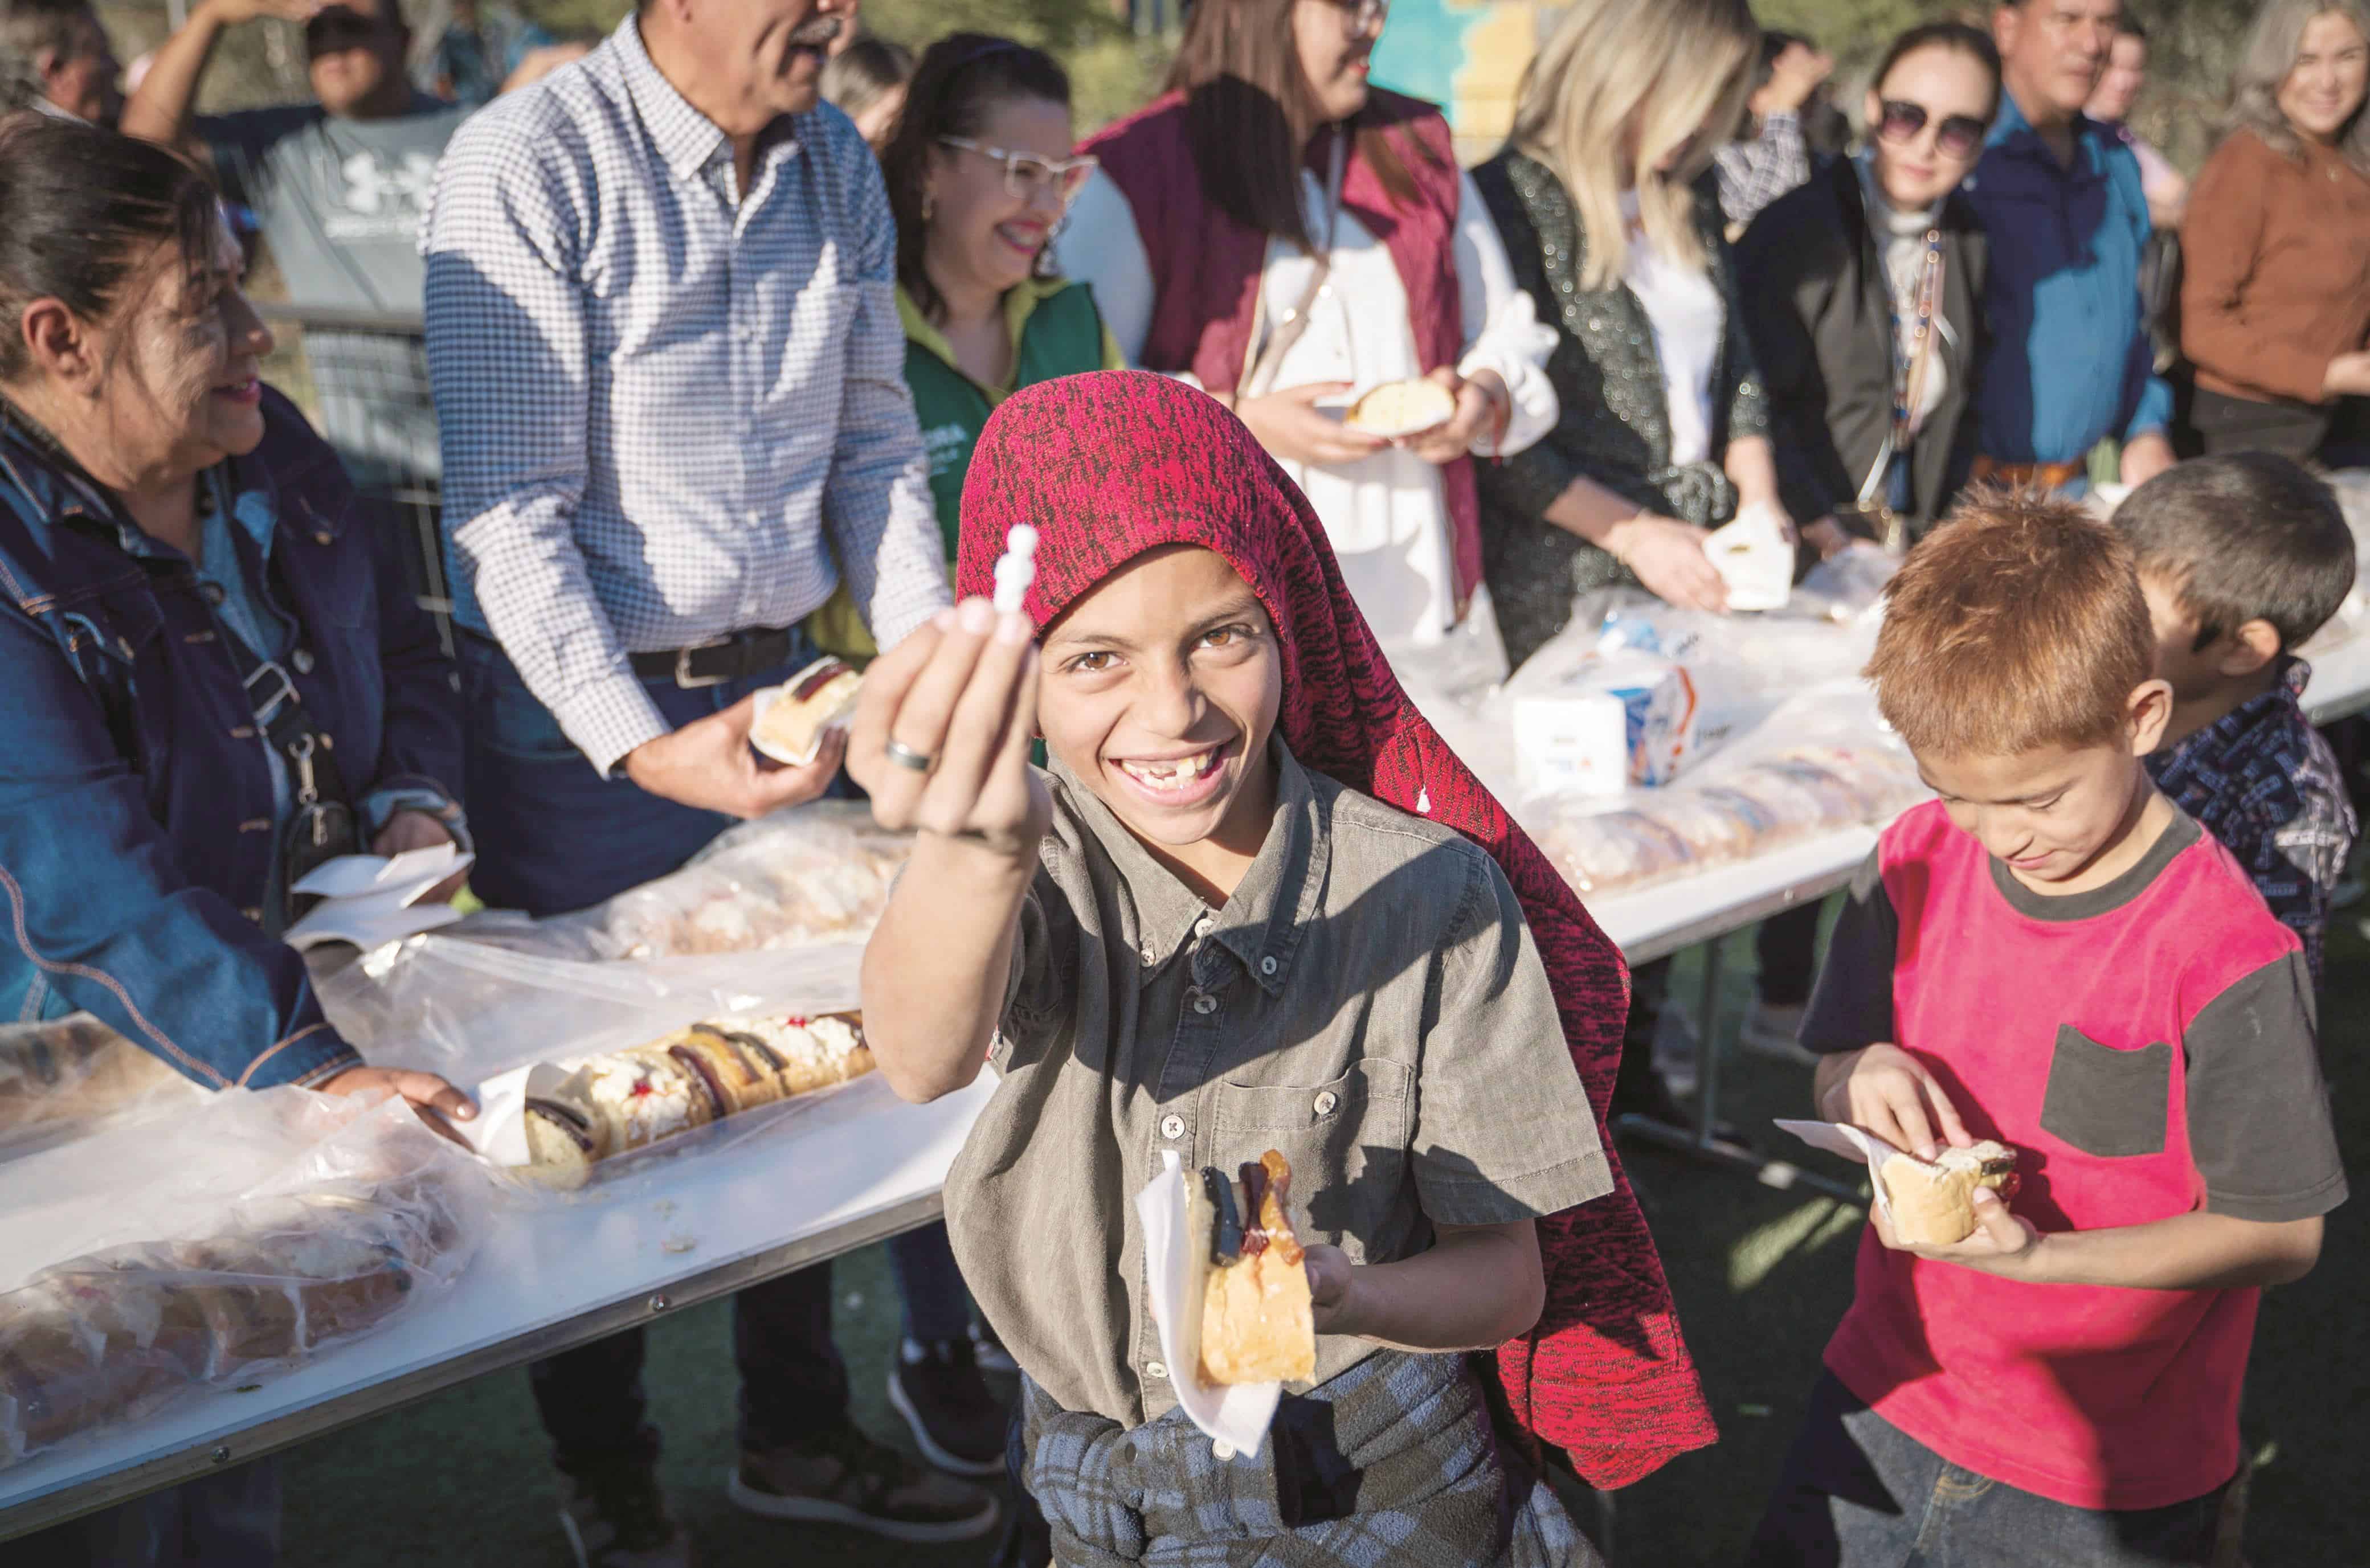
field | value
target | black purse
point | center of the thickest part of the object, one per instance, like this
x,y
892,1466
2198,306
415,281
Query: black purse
x,y
323,824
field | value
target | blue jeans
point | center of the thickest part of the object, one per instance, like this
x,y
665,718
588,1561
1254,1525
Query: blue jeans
x,y
554,836
936,1305
1859,1493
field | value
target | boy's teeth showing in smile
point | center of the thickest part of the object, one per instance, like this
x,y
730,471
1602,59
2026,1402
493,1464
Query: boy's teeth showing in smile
x,y
1173,781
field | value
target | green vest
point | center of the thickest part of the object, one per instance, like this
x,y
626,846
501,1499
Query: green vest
x,y
1063,335
1056,332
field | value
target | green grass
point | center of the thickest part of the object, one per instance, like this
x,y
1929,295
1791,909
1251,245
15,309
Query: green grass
x,y
1761,1276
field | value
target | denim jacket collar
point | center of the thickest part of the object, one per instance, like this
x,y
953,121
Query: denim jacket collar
x,y
37,464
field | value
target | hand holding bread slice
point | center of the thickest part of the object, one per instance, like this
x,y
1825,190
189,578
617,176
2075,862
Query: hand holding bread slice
x,y
1400,409
1933,1202
794,717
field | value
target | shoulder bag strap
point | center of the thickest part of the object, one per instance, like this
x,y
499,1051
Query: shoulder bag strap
x,y
1262,361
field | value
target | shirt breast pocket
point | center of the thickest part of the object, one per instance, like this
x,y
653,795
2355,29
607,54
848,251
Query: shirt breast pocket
x,y
2107,1102
1347,1139
333,575
112,639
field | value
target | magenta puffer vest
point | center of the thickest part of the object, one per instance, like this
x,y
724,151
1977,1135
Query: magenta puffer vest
x,y
1206,265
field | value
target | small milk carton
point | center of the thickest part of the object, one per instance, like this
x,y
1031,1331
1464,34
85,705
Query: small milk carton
x,y
1571,743
1620,718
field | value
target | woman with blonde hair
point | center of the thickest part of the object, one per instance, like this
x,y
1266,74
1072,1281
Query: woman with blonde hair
x,y
1614,228
2275,302
1611,226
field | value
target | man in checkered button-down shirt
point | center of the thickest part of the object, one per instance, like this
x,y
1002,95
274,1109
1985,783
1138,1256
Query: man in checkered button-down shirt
x,y
669,377
669,372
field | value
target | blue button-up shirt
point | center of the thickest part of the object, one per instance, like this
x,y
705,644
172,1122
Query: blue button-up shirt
x,y
2070,362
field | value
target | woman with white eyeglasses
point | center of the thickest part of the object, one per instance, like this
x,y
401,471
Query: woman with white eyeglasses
x,y
981,177
1289,237
980,173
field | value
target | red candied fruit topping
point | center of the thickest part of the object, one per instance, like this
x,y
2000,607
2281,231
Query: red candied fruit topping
x,y
829,670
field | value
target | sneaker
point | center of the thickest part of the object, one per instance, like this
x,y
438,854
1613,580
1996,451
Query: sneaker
x,y
989,1352
1775,1029
957,1421
618,1518
846,1478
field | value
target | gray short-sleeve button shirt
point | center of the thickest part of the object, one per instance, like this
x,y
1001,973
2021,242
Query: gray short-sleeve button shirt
x,y
1369,1002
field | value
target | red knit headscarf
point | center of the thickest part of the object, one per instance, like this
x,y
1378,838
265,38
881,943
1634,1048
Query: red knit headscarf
x,y
1109,465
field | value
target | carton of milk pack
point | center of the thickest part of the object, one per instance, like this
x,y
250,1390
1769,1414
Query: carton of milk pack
x,y
1619,719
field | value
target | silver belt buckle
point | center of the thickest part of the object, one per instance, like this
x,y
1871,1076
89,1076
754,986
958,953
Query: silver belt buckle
x,y
684,679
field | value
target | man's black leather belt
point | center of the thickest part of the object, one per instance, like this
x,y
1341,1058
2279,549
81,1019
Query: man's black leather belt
x,y
714,663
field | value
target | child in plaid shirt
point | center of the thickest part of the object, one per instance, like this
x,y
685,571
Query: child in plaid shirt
x,y
2242,560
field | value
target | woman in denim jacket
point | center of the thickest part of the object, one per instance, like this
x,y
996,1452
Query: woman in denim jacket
x,y
157,500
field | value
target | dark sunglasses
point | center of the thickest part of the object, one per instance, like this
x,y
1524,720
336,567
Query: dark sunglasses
x,y
338,26
1961,135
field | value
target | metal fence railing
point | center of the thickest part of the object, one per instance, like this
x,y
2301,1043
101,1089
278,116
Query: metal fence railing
x,y
362,377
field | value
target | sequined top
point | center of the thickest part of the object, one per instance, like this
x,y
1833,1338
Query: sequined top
x,y
1616,427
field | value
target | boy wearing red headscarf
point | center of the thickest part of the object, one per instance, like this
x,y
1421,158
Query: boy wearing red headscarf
x,y
1220,923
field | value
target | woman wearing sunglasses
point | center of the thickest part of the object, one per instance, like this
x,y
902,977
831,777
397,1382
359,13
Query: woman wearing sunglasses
x,y
1287,236
1863,292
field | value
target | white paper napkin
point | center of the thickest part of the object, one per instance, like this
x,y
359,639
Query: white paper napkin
x,y
1236,1415
1852,1143
1754,556
498,1129
355,875
371,900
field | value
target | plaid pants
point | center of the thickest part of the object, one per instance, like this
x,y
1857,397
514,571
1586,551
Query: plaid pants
x,y
1392,1464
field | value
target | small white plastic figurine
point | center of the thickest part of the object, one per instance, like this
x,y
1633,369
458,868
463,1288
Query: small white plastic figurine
x,y
1016,568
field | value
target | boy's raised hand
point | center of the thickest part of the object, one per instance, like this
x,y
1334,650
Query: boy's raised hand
x,y
943,730
1884,1090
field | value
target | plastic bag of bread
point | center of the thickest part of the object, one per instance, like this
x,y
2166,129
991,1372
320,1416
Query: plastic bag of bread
x,y
816,873
474,1010
1715,827
72,1076
1603,852
345,1214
